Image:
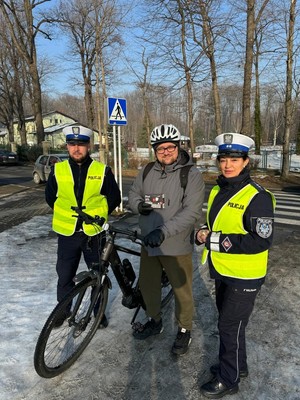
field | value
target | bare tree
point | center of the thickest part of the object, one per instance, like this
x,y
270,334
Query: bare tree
x,y
289,107
7,96
23,29
74,17
252,21
206,33
170,33
108,39
92,27
143,86
13,86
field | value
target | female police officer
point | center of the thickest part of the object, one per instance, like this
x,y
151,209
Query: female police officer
x,y
237,237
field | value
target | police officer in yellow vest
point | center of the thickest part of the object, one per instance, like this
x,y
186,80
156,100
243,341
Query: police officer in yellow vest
x,y
237,236
82,182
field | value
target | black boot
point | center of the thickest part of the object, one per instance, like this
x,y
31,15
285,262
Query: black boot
x,y
215,389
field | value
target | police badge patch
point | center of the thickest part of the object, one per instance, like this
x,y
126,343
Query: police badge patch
x,y
264,227
226,244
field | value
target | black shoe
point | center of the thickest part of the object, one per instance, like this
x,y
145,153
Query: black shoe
x,y
149,329
215,368
182,341
215,389
103,323
59,321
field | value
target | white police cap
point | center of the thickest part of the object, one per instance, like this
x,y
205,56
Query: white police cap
x,y
233,144
77,133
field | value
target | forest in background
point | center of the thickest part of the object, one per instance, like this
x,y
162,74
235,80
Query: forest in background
x,y
206,66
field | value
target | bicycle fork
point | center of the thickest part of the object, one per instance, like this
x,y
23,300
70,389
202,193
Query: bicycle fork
x,y
98,272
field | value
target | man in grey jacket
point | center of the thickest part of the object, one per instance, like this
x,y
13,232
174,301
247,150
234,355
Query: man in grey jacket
x,y
168,215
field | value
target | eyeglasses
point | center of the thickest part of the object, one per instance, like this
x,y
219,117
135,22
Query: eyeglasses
x,y
161,150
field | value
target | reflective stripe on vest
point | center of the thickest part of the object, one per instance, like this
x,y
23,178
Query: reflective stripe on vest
x,y
230,220
95,204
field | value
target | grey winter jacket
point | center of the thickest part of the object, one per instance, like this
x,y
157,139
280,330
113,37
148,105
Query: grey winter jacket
x,y
183,209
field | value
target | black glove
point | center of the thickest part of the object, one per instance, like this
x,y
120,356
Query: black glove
x,y
154,238
144,208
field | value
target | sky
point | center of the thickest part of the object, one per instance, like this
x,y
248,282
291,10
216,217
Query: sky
x,y
57,51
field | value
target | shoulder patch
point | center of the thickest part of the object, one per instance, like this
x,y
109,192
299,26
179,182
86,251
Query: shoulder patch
x,y
264,227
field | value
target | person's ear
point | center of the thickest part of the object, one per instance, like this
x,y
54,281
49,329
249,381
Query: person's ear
x,y
246,162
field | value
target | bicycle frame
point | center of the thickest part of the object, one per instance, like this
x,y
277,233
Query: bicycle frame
x,y
109,256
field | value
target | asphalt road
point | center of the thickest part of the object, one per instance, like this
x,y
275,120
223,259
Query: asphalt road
x,y
21,199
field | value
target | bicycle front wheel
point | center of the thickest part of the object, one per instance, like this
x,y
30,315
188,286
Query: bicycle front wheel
x,y
58,347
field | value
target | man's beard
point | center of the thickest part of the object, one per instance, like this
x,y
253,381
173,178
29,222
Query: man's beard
x,y
79,159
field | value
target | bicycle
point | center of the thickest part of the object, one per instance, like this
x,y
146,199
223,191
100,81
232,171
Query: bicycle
x,y
83,307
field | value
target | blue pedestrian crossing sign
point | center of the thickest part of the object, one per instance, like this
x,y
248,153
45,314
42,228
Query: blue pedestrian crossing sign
x,y
116,111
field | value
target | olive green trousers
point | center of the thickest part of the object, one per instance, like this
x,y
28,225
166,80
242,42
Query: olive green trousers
x,y
179,270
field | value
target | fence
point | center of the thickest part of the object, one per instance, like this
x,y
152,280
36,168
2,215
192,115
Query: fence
x,y
268,159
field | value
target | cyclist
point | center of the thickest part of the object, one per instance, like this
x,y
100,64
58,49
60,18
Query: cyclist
x,y
168,214
82,182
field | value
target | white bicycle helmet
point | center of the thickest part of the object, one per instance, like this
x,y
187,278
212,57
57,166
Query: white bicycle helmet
x,y
164,133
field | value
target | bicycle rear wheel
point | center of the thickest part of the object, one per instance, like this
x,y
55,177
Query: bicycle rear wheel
x,y
58,348
166,290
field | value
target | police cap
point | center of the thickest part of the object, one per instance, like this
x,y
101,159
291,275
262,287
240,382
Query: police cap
x,y
233,144
77,133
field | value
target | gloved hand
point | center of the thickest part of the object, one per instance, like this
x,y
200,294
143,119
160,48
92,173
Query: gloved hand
x,y
144,208
154,238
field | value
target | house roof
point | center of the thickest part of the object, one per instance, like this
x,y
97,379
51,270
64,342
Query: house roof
x,y
32,117
59,127
55,128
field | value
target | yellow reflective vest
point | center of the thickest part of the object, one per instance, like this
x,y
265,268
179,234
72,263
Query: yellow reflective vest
x,y
94,202
230,221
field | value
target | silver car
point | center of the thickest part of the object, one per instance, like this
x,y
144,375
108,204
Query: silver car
x,y
43,164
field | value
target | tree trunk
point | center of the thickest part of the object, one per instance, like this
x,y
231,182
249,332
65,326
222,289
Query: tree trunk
x,y
288,93
210,52
188,78
246,112
23,38
257,114
37,103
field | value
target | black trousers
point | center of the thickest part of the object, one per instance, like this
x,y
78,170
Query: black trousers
x,y
235,305
69,252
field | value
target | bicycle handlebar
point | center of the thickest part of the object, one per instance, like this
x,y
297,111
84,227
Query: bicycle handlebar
x,y
88,219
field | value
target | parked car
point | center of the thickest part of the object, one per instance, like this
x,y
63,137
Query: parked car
x,y
43,164
8,157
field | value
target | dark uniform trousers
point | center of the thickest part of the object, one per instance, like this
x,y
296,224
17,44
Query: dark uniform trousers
x,y
69,251
235,305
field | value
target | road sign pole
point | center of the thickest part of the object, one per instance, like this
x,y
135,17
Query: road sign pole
x,y
115,154
120,166
117,115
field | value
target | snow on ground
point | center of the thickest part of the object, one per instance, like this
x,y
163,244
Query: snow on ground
x,y
115,366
